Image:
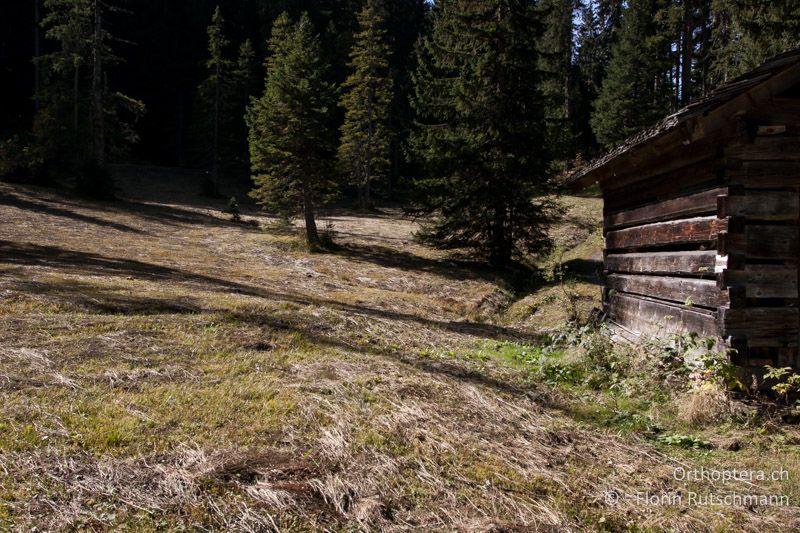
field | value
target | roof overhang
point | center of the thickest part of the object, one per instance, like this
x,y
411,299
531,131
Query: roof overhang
x,y
692,130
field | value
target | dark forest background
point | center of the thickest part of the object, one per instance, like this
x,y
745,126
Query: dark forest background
x,y
585,75
164,44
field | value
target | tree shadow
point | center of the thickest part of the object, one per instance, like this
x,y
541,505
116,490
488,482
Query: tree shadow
x,y
392,258
111,300
106,300
63,204
12,200
88,263
588,270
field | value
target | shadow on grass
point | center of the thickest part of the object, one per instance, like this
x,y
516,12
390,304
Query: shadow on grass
x,y
91,298
588,270
391,258
11,200
111,300
62,204
72,261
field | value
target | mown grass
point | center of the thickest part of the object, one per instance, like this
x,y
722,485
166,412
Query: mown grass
x,y
206,376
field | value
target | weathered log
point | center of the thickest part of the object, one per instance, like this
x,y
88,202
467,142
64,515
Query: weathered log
x,y
649,317
687,291
764,281
701,203
784,148
762,326
761,205
692,230
683,263
687,179
764,174
761,242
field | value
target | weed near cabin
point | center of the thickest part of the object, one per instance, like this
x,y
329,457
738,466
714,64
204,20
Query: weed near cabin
x,y
657,388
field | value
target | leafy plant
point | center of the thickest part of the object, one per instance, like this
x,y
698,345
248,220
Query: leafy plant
x,y
788,381
705,362
684,441
561,374
556,271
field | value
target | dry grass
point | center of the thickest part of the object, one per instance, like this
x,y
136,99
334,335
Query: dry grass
x,y
704,405
164,369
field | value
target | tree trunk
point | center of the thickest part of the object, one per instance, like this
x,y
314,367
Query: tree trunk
x,y
76,64
362,197
215,148
98,129
370,128
36,52
687,47
500,254
312,236
179,130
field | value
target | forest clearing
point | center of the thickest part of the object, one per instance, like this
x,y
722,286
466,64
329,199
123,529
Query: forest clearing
x,y
380,388
399,265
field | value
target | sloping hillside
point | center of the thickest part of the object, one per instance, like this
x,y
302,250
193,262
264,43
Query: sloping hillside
x,y
162,368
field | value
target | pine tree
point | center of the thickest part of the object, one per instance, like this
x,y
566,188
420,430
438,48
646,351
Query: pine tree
x,y
365,142
636,92
74,91
213,91
244,76
558,85
406,21
481,132
219,129
289,126
746,32
60,127
596,35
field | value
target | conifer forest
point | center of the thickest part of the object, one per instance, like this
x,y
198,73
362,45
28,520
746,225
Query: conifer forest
x,y
322,265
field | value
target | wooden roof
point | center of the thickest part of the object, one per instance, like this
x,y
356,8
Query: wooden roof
x,y
692,118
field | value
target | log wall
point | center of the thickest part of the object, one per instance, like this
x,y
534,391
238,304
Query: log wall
x,y
713,246
661,252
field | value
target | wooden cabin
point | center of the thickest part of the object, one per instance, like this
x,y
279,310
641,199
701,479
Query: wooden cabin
x,y
701,219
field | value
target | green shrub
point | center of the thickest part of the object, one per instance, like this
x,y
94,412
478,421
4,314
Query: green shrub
x,y
787,381
233,209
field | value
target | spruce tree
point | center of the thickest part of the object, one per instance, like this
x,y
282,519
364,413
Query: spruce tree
x,y
244,77
61,126
213,91
481,132
289,126
406,21
636,92
558,83
365,142
746,32
596,35
80,120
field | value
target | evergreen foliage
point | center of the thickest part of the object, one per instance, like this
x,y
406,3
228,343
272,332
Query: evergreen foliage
x,y
637,91
746,32
289,126
79,119
482,129
595,36
213,89
556,49
365,141
495,96
220,132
